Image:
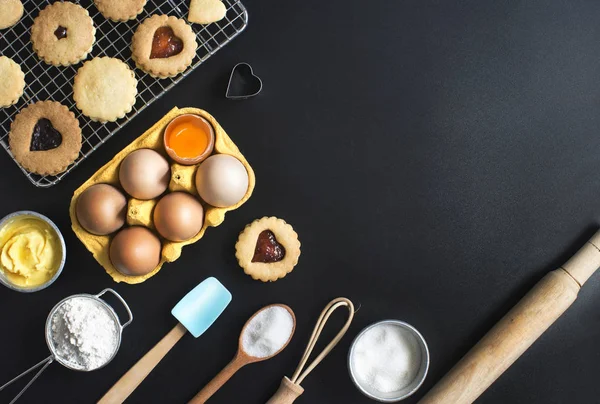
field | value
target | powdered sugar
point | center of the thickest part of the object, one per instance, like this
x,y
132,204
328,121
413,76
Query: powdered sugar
x,y
84,333
386,358
268,332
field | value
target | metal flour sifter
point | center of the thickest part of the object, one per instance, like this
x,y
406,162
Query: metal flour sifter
x,y
52,346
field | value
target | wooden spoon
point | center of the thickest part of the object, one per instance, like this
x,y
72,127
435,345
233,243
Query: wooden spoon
x,y
240,360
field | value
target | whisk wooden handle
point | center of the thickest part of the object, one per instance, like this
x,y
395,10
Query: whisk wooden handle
x,y
136,375
288,392
517,330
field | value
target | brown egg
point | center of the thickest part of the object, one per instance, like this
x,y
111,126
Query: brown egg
x,y
222,180
178,216
135,251
101,209
145,174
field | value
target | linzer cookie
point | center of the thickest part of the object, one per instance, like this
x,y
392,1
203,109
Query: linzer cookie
x,y
268,249
163,46
63,34
12,82
105,89
120,10
45,138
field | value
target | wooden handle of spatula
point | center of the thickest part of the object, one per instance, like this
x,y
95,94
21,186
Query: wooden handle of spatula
x,y
219,380
517,330
136,375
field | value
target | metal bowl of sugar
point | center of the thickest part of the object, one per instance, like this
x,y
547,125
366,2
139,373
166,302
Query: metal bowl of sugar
x,y
83,333
388,361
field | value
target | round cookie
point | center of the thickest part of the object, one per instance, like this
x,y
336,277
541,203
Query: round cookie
x,y
12,82
11,12
104,89
268,249
163,46
120,10
63,34
45,138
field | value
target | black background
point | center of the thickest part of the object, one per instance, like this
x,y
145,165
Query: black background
x,y
437,158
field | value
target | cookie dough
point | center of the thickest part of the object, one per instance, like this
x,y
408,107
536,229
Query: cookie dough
x,y
268,249
104,89
45,138
63,34
12,82
11,12
120,10
163,46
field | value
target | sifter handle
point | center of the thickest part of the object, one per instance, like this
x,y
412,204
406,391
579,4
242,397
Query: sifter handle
x,y
46,362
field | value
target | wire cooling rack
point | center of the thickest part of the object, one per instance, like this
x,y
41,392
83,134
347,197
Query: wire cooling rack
x,y
46,82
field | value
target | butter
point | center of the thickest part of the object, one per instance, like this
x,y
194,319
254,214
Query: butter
x,y
30,251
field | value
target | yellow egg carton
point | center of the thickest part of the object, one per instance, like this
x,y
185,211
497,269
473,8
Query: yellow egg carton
x,y
140,212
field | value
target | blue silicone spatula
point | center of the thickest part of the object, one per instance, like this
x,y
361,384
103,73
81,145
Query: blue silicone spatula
x,y
196,312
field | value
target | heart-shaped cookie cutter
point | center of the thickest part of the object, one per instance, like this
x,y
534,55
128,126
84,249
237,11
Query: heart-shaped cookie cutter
x,y
257,88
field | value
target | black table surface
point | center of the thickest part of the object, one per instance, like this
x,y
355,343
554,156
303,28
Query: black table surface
x,y
436,158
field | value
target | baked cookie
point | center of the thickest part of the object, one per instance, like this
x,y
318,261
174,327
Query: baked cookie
x,y
104,89
120,10
45,138
11,12
63,34
206,11
163,46
12,82
268,249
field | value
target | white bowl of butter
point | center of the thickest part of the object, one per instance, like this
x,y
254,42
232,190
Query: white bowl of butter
x,y
32,251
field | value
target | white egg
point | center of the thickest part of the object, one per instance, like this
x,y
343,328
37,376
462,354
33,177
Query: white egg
x,y
222,180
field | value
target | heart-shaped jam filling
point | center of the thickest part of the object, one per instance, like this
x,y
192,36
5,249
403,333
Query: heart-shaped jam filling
x,y
165,44
44,136
61,32
267,248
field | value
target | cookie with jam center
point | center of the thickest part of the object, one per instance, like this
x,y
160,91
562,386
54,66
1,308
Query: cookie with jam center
x,y
63,34
163,46
12,82
45,138
120,10
268,249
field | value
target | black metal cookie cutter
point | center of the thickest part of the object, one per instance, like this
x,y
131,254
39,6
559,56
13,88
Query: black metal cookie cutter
x,y
243,83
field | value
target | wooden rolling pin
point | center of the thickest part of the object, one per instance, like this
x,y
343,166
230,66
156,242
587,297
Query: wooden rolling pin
x,y
517,330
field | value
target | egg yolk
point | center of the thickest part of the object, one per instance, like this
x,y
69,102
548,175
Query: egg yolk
x,y
187,139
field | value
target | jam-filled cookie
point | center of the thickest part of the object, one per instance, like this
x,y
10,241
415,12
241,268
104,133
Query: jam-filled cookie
x,y
12,82
11,12
268,249
120,10
104,89
63,34
163,46
45,138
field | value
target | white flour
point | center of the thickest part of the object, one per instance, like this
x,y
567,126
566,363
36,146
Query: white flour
x,y
268,332
386,358
84,334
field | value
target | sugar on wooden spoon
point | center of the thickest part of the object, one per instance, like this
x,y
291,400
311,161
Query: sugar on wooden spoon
x,y
264,335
